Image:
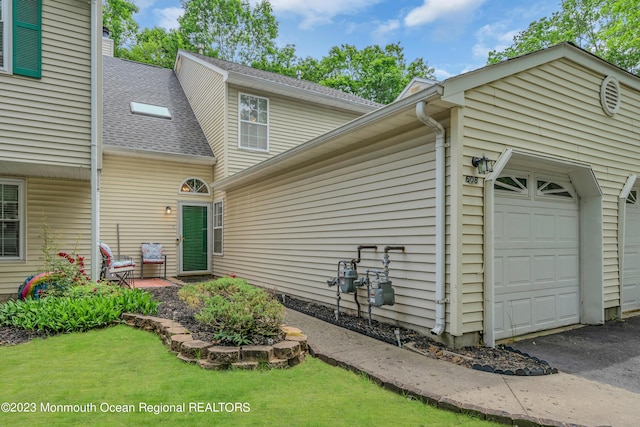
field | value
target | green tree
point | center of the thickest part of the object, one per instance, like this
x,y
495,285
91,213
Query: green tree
x,y
117,16
158,46
606,28
375,73
230,29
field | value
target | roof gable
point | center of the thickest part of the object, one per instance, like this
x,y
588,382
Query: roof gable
x,y
455,87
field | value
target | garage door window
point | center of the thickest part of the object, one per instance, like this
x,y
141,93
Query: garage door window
x,y
553,189
632,198
512,184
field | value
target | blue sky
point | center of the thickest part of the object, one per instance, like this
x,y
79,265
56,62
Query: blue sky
x,y
453,36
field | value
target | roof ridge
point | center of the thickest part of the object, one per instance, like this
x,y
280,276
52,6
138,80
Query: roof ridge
x,y
247,70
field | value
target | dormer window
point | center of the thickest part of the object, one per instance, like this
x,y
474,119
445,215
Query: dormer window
x,y
150,110
254,122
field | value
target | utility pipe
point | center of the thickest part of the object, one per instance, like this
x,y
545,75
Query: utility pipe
x,y
96,22
440,300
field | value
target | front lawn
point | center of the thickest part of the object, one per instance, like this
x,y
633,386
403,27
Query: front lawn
x,y
116,369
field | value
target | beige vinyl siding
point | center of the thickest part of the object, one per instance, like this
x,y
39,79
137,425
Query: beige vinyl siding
x,y
48,120
555,110
291,122
290,231
205,90
65,206
134,193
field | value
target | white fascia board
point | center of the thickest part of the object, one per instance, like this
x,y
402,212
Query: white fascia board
x,y
262,169
455,87
154,155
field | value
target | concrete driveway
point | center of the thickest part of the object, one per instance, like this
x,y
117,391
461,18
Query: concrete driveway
x,y
608,354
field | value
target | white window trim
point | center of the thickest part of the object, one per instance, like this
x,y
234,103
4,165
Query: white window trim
x,y
7,36
240,94
221,227
22,218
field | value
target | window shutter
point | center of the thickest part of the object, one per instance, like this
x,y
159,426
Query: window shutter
x,y
27,38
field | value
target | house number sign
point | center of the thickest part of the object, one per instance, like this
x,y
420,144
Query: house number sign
x,y
470,179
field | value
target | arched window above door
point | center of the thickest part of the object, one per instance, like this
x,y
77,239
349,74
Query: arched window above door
x,y
194,186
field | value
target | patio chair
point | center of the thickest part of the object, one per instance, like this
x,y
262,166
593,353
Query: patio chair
x,y
119,270
152,254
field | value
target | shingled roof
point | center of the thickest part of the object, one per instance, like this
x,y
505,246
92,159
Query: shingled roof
x,y
291,82
127,81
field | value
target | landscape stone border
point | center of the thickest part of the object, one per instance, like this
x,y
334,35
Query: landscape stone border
x,y
290,352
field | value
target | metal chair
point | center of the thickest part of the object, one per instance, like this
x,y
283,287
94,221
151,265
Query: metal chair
x,y
152,254
119,270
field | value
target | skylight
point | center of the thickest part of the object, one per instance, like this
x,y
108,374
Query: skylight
x,y
150,110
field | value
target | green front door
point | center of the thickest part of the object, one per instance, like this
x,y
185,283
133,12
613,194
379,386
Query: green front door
x,y
195,238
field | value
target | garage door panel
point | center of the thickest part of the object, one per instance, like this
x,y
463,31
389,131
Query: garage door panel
x,y
631,277
545,309
518,227
568,307
537,265
545,228
544,269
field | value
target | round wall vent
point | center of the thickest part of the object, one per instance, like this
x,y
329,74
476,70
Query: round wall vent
x,y
610,95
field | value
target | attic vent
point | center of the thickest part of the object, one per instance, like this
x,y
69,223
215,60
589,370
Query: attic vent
x,y
610,95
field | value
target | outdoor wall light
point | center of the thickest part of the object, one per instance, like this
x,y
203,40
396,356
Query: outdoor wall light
x,y
167,210
483,164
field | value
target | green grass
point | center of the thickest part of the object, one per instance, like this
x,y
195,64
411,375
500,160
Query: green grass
x,y
126,366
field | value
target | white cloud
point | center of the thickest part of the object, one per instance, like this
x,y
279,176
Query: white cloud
x,y
492,37
316,13
143,4
441,74
168,17
384,29
432,10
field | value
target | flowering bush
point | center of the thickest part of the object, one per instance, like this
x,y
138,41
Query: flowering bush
x,y
67,269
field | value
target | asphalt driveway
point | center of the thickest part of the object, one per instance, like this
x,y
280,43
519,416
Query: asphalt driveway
x,y
609,353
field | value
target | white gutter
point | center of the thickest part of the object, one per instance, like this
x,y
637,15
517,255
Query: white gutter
x,y
440,299
95,197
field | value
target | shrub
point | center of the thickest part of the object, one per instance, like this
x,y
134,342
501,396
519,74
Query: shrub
x,y
67,269
237,310
82,308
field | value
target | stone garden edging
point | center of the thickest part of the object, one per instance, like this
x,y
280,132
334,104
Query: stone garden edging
x,y
290,352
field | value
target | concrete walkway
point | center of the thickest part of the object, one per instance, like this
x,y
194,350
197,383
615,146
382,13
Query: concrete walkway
x,y
559,399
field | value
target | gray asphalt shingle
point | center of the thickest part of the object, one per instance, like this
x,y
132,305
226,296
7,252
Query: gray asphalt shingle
x,y
126,81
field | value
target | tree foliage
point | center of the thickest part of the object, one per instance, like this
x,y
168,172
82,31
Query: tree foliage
x,y
157,46
375,73
235,31
606,28
230,29
117,16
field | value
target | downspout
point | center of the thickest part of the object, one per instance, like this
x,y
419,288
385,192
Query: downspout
x,y
440,300
95,207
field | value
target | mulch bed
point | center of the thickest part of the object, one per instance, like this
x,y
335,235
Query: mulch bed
x,y
501,360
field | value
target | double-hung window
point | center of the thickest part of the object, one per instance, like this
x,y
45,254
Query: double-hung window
x,y
21,37
254,122
217,228
11,219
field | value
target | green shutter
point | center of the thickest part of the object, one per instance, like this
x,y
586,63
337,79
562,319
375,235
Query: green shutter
x,y
27,38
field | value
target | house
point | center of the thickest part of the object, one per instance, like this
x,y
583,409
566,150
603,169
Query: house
x,y
168,134
513,190
50,101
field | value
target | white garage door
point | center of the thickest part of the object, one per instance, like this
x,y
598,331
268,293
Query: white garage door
x,y
631,278
537,264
